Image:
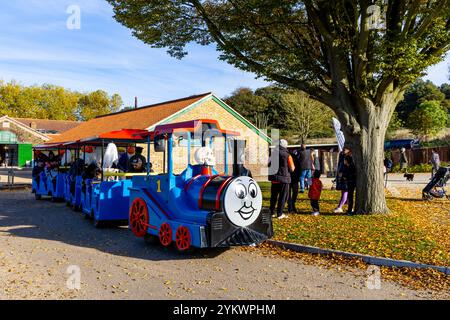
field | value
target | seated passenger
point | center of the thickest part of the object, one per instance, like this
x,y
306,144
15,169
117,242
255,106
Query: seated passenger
x,y
89,173
137,163
124,158
76,169
51,167
37,169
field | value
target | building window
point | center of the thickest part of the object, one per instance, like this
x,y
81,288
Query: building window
x,y
7,137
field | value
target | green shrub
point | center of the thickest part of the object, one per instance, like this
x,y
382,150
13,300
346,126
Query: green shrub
x,y
418,168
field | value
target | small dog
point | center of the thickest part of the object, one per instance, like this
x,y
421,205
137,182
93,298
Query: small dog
x,y
409,176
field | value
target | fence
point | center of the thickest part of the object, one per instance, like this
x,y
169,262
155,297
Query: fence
x,y
422,155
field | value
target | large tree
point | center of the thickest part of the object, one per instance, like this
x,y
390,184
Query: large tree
x,y
357,57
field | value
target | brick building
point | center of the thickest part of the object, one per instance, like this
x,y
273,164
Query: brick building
x,y
204,106
18,135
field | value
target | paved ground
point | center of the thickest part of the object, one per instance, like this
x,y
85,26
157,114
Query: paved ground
x,y
40,240
22,176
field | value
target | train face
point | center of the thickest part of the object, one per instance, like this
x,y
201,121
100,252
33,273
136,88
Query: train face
x,y
236,217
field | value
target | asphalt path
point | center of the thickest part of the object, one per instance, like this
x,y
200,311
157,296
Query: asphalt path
x,y
45,246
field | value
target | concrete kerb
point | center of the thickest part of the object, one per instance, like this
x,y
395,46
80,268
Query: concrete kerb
x,y
378,261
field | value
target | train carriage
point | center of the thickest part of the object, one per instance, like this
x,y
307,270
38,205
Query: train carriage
x,y
199,207
50,182
105,200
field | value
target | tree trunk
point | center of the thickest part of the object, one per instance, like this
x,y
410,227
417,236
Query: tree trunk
x,y
367,145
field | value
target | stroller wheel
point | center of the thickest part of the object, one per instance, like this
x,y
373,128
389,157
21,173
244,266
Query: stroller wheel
x,y
427,196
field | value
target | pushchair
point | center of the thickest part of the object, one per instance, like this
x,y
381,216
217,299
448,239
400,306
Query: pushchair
x,y
436,187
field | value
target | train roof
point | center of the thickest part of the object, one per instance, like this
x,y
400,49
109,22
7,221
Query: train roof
x,y
191,126
124,136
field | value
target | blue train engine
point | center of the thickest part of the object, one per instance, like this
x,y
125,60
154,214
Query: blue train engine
x,y
198,207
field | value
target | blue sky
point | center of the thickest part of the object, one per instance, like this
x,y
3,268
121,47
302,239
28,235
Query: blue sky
x,y
36,47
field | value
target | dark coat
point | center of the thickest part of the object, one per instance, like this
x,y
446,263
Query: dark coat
x,y
295,175
305,160
282,175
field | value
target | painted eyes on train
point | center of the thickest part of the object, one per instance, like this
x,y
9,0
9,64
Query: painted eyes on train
x,y
241,191
253,190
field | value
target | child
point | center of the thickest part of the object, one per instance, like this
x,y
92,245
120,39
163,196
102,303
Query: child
x,y
314,192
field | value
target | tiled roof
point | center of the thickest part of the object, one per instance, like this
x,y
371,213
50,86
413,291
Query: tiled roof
x,y
43,125
140,118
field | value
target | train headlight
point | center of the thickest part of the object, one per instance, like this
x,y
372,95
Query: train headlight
x,y
242,202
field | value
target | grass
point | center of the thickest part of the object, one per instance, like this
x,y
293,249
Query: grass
x,y
415,230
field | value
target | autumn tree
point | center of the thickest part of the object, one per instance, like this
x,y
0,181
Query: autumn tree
x,y
97,103
305,115
428,119
355,56
54,102
249,105
418,92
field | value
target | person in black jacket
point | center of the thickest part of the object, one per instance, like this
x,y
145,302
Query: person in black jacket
x,y
295,179
281,179
137,163
349,176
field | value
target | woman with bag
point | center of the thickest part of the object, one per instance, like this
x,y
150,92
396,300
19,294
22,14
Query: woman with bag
x,y
349,177
340,182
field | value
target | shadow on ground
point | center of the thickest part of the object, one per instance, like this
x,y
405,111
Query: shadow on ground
x,y
22,216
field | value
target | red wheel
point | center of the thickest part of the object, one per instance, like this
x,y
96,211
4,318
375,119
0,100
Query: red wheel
x,y
165,234
183,239
139,217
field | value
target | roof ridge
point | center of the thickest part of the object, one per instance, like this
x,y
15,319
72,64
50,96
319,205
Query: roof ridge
x,y
155,105
19,118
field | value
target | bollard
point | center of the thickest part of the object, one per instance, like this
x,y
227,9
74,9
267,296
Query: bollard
x,y
10,178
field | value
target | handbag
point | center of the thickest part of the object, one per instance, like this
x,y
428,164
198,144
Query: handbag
x,y
341,184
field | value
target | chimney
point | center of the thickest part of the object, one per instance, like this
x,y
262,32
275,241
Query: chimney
x,y
135,102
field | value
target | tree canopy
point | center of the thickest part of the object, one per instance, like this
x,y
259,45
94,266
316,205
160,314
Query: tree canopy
x,y
428,119
54,102
421,91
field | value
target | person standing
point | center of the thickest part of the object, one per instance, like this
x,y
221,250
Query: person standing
x,y
295,179
349,176
435,162
281,179
314,193
341,184
316,160
403,160
306,166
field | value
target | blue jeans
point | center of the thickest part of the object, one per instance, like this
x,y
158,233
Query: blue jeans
x,y
305,174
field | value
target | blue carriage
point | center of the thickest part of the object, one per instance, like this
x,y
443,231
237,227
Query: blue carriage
x,y
48,175
199,206
105,199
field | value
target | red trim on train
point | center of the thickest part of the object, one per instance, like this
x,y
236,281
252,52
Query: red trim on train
x,y
202,191
191,181
224,184
157,204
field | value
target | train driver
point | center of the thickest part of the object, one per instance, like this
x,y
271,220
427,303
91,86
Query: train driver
x,y
137,163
